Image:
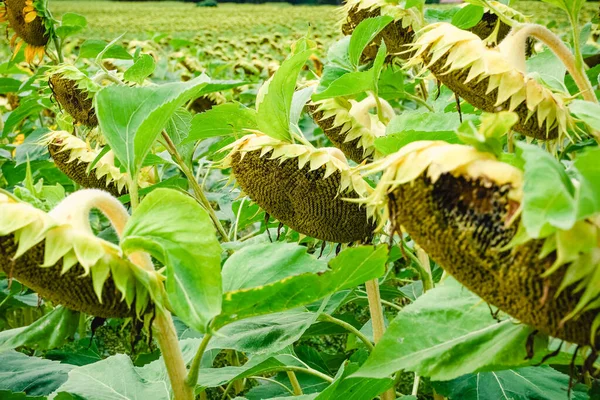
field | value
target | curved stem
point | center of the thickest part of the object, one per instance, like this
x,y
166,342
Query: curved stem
x,y
309,371
76,209
262,378
522,32
192,377
349,328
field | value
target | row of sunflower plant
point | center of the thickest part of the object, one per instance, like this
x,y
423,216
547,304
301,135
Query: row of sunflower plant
x,y
430,195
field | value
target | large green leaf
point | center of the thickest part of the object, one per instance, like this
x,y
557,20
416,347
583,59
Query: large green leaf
x,y
352,388
132,117
48,332
530,383
463,338
350,268
274,98
347,85
32,375
265,333
467,17
548,194
113,378
363,34
142,68
587,111
265,263
222,120
179,233
588,171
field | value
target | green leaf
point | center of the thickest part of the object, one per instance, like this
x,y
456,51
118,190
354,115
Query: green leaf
x,y
132,117
259,365
588,174
274,99
530,383
352,388
113,378
363,34
71,24
33,375
468,340
9,85
28,107
179,233
548,194
262,264
48,332
265,333
178,129
142,68
490,135
222,120
350,268
411,126
468,16
587,111
91,48
347,85
571,7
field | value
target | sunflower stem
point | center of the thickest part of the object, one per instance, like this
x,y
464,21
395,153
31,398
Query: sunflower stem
x,y
522,32
58,45
376,311
198,192
295,384
192,376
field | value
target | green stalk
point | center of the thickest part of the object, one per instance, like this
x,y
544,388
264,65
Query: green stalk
x,y
192,376
295,384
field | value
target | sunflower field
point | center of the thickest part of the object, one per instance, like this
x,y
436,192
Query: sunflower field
x,y
382,200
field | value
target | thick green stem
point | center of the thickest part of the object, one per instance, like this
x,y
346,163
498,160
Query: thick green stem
x,y
378,323
134,198
58,46
198,192
349,328
295,384
192,377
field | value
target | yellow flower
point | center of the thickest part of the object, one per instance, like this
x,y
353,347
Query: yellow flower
x,y
22,17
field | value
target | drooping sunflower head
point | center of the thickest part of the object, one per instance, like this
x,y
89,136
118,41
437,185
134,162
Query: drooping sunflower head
x,y
30,21
74,91
303,187
399,33
491,28
207,102
488,79
350,126
463,207
57,255
73,156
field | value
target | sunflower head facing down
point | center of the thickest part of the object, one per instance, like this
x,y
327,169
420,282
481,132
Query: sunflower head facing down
x,y
32,26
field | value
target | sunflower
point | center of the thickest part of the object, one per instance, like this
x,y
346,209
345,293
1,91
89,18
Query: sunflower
x,y
30,21
399,33
462,206
350,126
491,28
57,255
74,91
73,156
303,187
487,79
207,102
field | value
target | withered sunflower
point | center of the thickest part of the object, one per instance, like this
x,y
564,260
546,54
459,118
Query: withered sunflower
x,y
207,102
350,126
74,91
72,156
462,206
57,255
29,19
487,79
399,33
491,28
303,187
